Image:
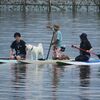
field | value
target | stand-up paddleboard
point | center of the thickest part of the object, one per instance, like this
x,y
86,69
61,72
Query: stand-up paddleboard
x,y
7,61
49,61
91,62
59,62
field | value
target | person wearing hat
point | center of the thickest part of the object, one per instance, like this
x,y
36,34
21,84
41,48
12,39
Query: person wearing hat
x,y
57,44
86,45
18,48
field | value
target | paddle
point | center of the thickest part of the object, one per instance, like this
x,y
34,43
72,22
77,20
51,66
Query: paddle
x,y
98,55
49,45
48,49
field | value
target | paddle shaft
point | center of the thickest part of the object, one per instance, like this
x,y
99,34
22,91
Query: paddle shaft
x,y
86,51
50,46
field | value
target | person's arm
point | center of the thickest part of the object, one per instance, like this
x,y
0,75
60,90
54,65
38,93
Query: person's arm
x,y
12,54
12,51
89,47
55,42
89,50
50,27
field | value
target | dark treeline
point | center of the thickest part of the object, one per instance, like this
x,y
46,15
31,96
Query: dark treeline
x,y
70,2
50,3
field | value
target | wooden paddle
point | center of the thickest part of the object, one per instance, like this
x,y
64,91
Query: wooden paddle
x,y
98,55
48,49
50,46
51,28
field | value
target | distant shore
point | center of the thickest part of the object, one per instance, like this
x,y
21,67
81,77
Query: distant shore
x,y
50,5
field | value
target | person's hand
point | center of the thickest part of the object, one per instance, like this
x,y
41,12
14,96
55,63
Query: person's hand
x,y
49,26
88,51
75,46
52,43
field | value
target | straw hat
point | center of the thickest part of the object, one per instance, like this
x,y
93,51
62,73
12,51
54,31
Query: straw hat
x,y
56,26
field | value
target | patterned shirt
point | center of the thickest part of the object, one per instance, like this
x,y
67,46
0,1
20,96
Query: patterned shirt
x,y
58,37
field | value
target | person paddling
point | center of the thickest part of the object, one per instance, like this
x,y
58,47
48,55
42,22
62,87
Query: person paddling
x,y
18,48
57,44
86,45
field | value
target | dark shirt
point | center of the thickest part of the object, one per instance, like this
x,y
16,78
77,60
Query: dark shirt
x,y
86,46
19,47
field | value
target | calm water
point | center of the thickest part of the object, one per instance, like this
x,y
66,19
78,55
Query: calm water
x,y
49,82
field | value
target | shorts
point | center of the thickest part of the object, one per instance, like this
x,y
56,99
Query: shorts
x,y
56,52
23,56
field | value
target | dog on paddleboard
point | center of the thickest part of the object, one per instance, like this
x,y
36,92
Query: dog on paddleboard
x,y
37,50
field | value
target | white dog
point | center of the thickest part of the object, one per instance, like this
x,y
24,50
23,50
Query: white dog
x,y
37,50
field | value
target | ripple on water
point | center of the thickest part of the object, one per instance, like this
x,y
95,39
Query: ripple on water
x,y
49,82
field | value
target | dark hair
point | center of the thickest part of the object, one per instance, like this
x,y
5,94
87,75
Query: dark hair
x,y
83,36
17,34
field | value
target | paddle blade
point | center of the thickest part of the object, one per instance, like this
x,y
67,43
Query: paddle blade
x,y
98,56
41,59
62,63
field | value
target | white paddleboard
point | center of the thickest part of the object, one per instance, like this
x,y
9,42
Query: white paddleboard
x,y
91,62
8,61
49,61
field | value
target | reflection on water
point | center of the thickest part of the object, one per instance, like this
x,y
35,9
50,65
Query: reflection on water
x,y
18,81
84,76
19,72
49,82
84,81
57,74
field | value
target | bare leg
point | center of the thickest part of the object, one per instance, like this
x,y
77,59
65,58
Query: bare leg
x,y
18,57
12,57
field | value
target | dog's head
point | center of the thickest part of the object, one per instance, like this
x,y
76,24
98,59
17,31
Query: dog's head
x,y
40,45
29,46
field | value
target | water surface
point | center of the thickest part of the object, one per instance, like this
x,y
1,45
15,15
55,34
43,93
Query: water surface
x,y
49,82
